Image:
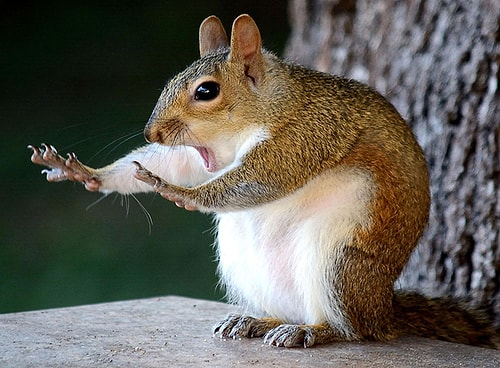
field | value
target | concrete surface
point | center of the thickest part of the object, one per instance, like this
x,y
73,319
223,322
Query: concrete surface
x,y
176,332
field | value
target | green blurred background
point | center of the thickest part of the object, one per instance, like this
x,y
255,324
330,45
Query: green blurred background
x,y
84,76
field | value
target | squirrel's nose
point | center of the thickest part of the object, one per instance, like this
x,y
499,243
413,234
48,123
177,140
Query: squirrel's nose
x,y
153,132
147,133
151,129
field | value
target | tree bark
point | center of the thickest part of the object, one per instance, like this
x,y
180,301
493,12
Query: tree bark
x,y
438,63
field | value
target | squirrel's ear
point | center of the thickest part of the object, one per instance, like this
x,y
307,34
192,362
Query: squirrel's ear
x,y
246,46
212,35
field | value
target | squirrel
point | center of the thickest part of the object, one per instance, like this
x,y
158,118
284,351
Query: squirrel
x,y
319,189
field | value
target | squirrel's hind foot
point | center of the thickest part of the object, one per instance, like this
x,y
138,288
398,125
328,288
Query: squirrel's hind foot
x,y
235,326
275,332
291,336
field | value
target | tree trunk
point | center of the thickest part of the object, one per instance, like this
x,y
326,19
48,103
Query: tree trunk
x,y
438,63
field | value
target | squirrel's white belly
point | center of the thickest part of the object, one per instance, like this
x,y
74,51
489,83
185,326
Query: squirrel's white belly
x,y
273,258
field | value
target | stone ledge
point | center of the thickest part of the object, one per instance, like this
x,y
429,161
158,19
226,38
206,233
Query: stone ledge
x,y
176,332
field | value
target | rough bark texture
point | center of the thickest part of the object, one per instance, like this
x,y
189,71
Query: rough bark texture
x,y
438,63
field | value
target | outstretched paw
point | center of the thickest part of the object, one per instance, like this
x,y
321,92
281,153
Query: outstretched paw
x,y
143,174
235,325
160,186
64,169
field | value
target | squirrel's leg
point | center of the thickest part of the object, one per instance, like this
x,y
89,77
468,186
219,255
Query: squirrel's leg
x,y
180,165
368,306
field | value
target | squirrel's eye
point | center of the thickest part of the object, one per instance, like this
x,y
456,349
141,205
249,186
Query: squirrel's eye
x,y
207,91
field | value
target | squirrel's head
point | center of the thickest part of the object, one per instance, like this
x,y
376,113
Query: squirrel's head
x,y
216,104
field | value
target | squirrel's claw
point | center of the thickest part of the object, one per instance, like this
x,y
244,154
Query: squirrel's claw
x,y
48,156
235,325
225,328
160,186
60,169
146,176
291,335
274,331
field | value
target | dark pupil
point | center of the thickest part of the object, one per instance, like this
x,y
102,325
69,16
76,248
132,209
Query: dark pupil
x,y
207,91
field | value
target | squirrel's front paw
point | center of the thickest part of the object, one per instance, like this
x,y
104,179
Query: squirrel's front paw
x,y
160,186
64,169
235,326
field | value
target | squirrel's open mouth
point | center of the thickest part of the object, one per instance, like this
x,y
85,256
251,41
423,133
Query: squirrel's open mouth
x,y
208,158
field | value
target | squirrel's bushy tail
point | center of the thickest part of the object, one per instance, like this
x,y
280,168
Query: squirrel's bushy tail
x,y
443,319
